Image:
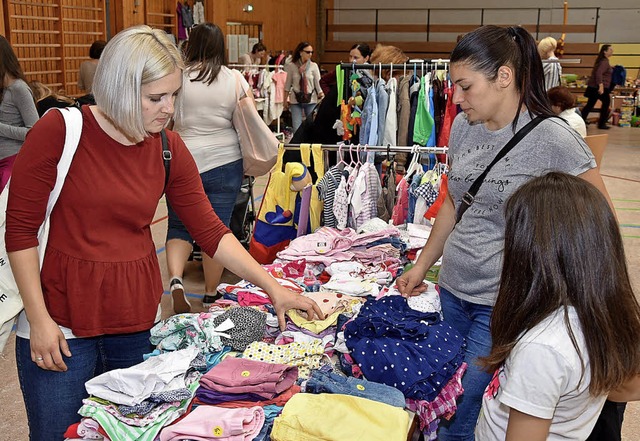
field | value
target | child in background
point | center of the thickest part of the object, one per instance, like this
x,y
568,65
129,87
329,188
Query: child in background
x,y
574,336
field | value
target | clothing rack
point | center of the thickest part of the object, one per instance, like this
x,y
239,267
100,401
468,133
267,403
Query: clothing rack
x,y
413,65
563,61
434,61
408,64
374,148
278,133
361,148
258,66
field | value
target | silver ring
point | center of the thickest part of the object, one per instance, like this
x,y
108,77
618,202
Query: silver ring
x,y
39,358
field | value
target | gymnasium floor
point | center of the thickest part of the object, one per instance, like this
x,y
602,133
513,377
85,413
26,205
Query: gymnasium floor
x,y
621,173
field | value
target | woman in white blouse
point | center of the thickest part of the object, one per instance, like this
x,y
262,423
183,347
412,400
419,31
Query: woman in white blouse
x,y
563,103
303,83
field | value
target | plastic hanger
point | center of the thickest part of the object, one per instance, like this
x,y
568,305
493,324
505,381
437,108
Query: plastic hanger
x,y
352,163
414,166
341,162
358,161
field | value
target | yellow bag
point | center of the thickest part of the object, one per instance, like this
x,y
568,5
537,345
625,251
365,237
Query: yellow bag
x,y
316,206
275,226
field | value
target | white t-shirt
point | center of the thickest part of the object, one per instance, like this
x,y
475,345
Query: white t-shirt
x,y
575,121
206,124
541,377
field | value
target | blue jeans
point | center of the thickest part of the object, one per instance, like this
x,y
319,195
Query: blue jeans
x,y
52,399
472,321
222,185
296,113
328,382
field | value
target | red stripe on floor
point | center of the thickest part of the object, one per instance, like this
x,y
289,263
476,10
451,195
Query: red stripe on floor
x,y
618,177
159,220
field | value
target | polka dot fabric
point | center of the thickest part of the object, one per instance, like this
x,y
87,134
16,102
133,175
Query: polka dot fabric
x,y
410,350
306,356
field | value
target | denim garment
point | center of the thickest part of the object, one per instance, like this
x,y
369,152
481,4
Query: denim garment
x,y
472,321
271,411
415,183
410,350
52,399
221,184
431,142
296,113
393,241
328,382
369,131
383,104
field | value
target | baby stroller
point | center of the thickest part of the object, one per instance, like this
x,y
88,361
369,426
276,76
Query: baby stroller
x,y
244,212
242,218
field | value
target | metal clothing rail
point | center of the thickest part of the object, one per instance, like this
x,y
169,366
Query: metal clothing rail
x,y
563,61
258,66
417,62
264,66
374,148
410,63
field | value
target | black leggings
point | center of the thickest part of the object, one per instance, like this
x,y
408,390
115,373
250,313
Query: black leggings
x,y
605,100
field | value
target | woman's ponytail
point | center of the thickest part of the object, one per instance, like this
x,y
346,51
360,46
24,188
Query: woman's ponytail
x,y
530,75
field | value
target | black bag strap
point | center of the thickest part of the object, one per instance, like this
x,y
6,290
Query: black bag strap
x,y
469,196
166,157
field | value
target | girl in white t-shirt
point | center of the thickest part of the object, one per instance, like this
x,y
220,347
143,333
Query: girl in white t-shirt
x,y
566,324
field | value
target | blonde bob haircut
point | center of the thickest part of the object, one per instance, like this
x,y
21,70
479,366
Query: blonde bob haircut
x,y
135,56
546,45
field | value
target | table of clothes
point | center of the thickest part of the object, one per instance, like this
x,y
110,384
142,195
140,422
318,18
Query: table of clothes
x,y
376,362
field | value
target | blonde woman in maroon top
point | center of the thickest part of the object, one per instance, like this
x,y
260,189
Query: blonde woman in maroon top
x,y
92,305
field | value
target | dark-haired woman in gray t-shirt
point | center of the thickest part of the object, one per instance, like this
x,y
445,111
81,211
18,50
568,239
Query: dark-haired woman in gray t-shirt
x,y
499,85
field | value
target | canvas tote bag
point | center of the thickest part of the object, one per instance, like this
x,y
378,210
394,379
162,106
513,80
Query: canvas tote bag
x,y
10,300
258,143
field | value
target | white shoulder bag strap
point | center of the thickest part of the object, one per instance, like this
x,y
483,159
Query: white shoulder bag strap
x,y
73,123
12,303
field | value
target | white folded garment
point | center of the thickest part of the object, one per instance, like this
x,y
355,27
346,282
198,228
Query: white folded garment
x,y
133,385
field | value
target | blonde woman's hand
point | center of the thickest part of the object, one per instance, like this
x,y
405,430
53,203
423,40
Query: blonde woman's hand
x,y
283,300
48,345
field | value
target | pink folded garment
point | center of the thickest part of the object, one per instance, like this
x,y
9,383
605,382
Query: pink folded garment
x,y
242,375
206,423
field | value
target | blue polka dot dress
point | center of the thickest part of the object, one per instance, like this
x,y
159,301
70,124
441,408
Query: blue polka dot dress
x,y
410,350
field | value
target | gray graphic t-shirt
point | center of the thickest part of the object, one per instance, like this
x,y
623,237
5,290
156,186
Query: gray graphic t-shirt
x,y
472,259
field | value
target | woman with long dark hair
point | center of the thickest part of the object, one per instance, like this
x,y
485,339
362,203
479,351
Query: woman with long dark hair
x,y
205,125
17,109
499,85
599,87
303,83
558,354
